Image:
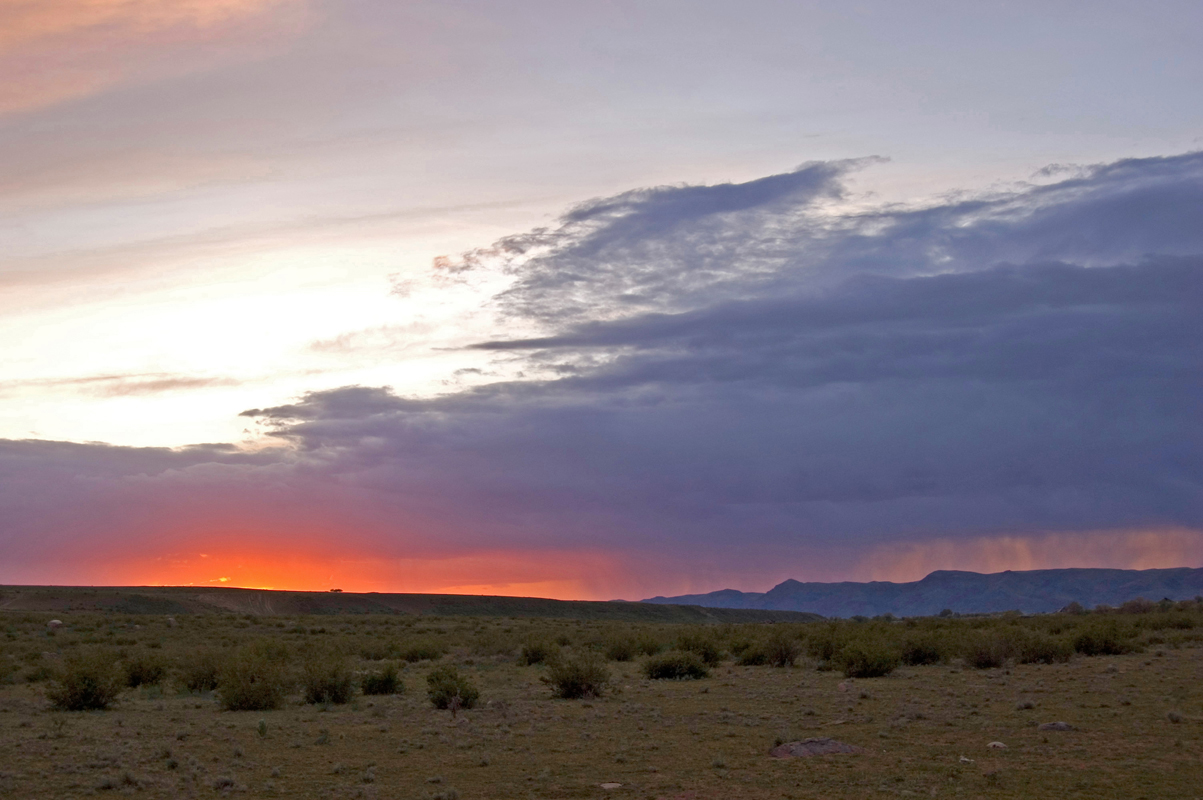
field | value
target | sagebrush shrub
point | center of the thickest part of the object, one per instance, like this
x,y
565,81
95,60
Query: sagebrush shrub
x,y
385,681
648,646
255,678
377,650
620,649
868,660
753,656
824,643
198,672
987,651
446,688
537,651
423,650
675,665
580,676
86,681
921,650
1102,639
145,669
1041,649
326,678
703,646
782,649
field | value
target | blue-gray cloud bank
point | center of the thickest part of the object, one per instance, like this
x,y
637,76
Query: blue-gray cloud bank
x,y
736,377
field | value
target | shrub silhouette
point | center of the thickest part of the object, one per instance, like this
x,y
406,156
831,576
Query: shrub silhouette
x,y
749,654
1102,639
254,679
922,650
423,650
198,673
573,678
703,646
384,682
824,644
326,678
648,646
446,688
619,649
868,660
86,681
782,650
987,651
1042,649
145,669
537,651
675,665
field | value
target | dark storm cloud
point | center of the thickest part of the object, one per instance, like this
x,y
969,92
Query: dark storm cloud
x,y
1022,361
675,249
740,375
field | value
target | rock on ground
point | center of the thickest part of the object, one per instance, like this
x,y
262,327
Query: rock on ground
x,y
1056,726
813,747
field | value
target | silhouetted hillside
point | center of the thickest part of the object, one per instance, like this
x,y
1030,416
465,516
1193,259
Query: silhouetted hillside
x,y
964,592
178,600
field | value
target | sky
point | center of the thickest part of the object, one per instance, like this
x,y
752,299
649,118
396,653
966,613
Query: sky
x,y
598,300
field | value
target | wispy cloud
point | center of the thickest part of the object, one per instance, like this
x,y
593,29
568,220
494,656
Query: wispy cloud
x,y
58,51
121,385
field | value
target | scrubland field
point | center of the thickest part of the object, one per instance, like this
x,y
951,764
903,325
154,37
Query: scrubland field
x,y
344,706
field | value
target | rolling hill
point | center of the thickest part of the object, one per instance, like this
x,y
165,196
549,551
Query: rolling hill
x,y
177,600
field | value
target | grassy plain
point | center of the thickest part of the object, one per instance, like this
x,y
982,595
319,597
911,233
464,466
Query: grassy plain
x,y
925,730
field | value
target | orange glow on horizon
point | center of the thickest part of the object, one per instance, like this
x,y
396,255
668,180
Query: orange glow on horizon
x,y
564,575
306,560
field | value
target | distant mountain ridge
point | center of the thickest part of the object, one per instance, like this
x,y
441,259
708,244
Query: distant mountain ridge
x,y
1032,591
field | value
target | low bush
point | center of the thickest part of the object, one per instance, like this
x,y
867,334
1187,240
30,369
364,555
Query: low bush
x,y
386,681
493,643
1102,639
198,672
647,646
782,649
255,678
868,660
921,650
145,669
580,676
987,651
423,650
537,651
377,650
619,649
446,688
326,678
703,645
824,643
675,665
753,655
1042,649
86,681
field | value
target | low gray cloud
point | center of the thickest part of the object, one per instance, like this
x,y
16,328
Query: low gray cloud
x,y
743,378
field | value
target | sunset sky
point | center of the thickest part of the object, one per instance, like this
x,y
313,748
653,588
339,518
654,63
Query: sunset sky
x,y
597,300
